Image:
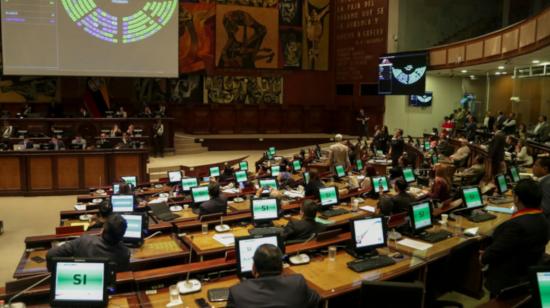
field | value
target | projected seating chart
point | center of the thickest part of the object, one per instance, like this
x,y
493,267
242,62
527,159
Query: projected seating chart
x,y
145,22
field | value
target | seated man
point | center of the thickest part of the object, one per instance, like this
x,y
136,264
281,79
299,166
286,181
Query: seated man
x,y
270,288
106,245
104,212
400,202
125,142
472,175
79,140
462,152
517,243
103,142
303,229
217,202
312,187
57,144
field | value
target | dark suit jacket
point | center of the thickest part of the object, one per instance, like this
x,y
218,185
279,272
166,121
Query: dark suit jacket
x,y
273,292
400,203
301,229
92,246
312,188
545,187
214,205
517,244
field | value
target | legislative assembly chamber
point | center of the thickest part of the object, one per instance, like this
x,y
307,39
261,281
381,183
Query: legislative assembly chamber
x,y
275,153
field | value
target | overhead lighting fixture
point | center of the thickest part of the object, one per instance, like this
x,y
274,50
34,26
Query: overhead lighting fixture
x,y
463,71
497,73
501,67
504,73
535,61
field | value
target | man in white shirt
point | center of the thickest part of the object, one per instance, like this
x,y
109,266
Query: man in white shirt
x,y
339,153
462,152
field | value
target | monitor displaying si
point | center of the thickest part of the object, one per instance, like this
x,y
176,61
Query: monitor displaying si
x,y
358,165
378,181
402,73
122,203
188,183
423,100
296,165
421,216
514,174
264,209
368,234
408,175
501,183
272,150
241,176
275,170
77,282
306,178
130,180
200,194
174,176
246,246
215,171
243,166
328,196
540,286
472,197
134,230
340,171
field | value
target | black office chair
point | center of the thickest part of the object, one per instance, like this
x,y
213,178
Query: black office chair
x,y
389,294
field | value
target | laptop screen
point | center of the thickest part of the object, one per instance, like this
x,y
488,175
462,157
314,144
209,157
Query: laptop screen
x,y
472,197
122,203
188,183
265,209
243,165
377,180
368,232
422,216
275,170
246,249
328,196
131,180
514,174
241,176
268,183
174,176
501,183
82,282
215,171
272,150
134,230
340,171
200,194
543,286
359,165
408,175
297,165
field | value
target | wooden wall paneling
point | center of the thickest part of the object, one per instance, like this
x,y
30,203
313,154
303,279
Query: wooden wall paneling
x,y
201,120
95,170
293,119
40,173
314,121
543,26
223,119
270,119
125,165
68,171
248,119
11,178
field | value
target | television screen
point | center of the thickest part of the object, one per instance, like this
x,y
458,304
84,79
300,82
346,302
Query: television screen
x,y
421,100
402,73
466,99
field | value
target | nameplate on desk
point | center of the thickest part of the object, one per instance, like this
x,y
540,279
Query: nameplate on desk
x,y
498,209
414,244
226,240
368,208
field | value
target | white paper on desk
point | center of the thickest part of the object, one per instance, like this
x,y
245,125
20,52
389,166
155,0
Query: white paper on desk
x,y
414,244
226,239
471,231
158,201
80,207
368,208
293,194
231,191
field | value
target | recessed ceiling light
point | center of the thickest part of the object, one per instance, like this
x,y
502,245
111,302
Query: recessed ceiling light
x,y
472,76
463,71
504,73
501,67
535,61
497,73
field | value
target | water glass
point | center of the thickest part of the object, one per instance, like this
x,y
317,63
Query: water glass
x,y
174,293
204,228
332,253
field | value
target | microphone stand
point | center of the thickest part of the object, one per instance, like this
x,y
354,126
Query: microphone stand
x,y
8,305
189,285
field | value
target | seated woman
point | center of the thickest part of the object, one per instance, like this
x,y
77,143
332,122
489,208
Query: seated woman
x,y
441,188
370,171
523,157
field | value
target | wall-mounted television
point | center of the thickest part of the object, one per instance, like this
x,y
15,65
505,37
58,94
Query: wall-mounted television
x,y
424,100
402,73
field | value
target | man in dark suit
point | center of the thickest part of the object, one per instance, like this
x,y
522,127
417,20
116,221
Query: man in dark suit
x,y
312,187
303,229
270,288
397,146
500,120
106,245
517,243
400,202
217,202
541,169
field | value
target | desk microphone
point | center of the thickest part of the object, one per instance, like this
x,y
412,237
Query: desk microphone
x,y
301,258
221,227
189,285
152,235
18,305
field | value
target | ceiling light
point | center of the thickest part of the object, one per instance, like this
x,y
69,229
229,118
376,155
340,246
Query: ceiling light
x,y
535,61
463,71
504,73
501,67
497,73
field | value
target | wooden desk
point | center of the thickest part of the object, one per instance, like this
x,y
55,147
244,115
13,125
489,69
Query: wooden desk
x,y
438,250
68,171
159,298
332,278
128,300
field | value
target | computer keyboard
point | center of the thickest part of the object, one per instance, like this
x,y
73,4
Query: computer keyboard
x,y
363,265
334,212
435,236
265,231
480,217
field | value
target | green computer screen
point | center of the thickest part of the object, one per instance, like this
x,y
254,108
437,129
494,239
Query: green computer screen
x,y
328,196
340,171
187,183
306,177
408,175
427,145
434,159
421,214
268,183
377,180
269,155
297,165
472,197
241,176
264,209
275,170
515,175
79,281
272,150
359,164
215,171
200,194
543,281
243,165
131,180
503,186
